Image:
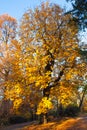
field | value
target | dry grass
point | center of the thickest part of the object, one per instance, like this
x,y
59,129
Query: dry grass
x,y
79,123
64,124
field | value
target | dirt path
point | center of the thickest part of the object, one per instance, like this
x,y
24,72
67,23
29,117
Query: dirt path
x,y
79,123
17,126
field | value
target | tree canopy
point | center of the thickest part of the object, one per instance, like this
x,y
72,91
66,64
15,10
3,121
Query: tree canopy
x,y
44,63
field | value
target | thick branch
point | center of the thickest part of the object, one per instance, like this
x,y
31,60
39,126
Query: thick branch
x,y
46,91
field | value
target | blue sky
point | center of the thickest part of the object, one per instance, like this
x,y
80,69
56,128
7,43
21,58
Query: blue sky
x,y
16,8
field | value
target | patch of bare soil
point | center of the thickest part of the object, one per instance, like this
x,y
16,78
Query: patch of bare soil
x,y
17,126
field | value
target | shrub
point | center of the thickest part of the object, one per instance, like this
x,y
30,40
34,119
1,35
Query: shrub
x,y
61,111
4,122
17,119
71,110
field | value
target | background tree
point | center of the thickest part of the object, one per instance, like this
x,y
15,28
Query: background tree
x,y
79,12
7,33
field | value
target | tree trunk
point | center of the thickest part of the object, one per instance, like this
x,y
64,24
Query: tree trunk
x,y
81,101
57,111
45,118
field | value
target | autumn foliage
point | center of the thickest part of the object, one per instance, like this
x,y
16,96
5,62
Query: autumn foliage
x,y
39,64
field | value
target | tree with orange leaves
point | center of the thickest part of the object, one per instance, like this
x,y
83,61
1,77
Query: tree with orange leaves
x,y
45,58
49,40
8,26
